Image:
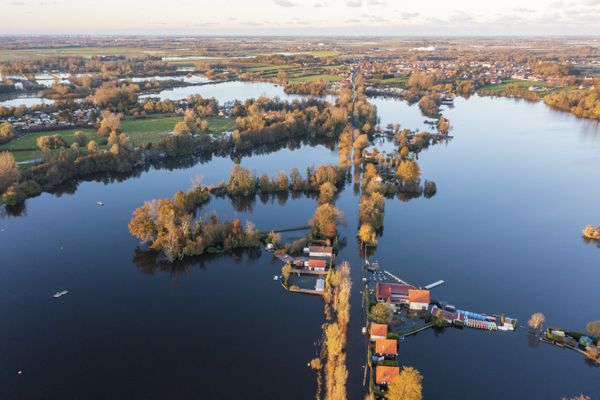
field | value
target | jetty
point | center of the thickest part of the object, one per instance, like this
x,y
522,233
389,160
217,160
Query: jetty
x,y
434,284
306,271
294,229
286,258
394,277
306,291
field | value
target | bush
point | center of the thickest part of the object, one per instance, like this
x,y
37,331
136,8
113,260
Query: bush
x,y
50,142
18,193
382,313
7,132
593,328
589,232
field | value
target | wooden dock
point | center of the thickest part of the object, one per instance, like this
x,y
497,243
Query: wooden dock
x,y
395,277
307,272
306,291
434,284
286,258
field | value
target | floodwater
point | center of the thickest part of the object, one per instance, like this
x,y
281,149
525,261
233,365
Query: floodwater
x,y
229,91
515,187
24,99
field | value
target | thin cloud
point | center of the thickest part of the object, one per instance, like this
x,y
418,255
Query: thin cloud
x,y
409,15
284,3
354,3
320,4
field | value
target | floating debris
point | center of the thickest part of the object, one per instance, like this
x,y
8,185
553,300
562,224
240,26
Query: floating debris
x,y
60,294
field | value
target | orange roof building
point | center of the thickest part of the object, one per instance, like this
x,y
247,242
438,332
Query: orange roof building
x,y
378,331
317,264
384,375
386,347
418,299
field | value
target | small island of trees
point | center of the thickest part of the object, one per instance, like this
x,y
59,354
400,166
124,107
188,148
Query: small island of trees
x,y
590,232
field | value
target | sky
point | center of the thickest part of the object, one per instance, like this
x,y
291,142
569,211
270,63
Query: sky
x,y
302,17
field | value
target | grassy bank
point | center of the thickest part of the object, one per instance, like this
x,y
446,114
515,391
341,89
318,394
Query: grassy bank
x,y
140,131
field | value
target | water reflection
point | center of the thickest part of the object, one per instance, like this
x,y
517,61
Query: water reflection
x,y
69,187
150,262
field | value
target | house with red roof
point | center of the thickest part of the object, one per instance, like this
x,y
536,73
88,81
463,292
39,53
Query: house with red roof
x,y
384,375
378,331
386,347
392,292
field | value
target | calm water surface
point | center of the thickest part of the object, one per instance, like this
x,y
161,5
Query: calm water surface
x,y
515,188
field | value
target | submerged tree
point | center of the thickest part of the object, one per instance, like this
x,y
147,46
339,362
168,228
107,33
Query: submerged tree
x,y
536,322
593,328
407,385
286,271
9,170
367,235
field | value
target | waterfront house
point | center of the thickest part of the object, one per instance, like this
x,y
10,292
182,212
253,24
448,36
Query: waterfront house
x,y
317,264
320,251
378,331
386,347
384,375
418,299
392,292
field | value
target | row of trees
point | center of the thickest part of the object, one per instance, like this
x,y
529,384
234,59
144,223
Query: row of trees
x,y
335,331
305,120
310,88
323,179
582,103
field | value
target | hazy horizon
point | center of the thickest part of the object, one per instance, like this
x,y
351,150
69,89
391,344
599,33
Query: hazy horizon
x,y
296,18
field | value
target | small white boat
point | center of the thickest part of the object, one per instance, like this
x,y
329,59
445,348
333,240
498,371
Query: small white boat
x,y
60,294
275,278
99,203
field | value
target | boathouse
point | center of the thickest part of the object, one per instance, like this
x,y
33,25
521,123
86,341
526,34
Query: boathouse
x,y
384,375
378,331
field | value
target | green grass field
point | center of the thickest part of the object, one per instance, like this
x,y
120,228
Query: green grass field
x,y
86,52
515,82
315,78
396,81
324,53
140,131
